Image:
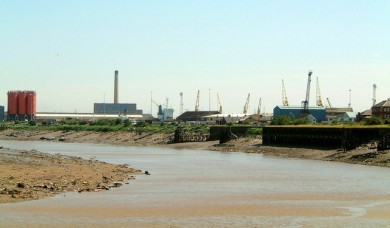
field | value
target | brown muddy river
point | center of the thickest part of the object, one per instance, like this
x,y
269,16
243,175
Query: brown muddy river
x,y
196,188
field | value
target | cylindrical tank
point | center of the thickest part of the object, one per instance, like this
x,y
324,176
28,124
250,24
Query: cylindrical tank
x,y
34,105
12,103
30,103
22,98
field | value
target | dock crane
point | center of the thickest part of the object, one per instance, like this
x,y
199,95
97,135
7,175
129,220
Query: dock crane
x,y
318,95
219,104
259,107
305,103
197,103
284,95
246,106
330,106
374,95
160,113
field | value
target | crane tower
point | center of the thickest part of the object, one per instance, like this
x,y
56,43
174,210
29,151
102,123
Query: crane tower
x,y
330,106
219,104
197,103
306,101
284,95
246,106
259,107
318,95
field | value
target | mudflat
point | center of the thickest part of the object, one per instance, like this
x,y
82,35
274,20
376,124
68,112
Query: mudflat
x,y
363,155
26,175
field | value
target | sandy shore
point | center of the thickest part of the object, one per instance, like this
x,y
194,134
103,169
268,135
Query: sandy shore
x,y
26,175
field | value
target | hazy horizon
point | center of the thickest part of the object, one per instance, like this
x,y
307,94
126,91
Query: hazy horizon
x,y
68,51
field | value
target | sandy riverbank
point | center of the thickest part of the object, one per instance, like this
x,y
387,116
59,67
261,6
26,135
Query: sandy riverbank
x,y
28,175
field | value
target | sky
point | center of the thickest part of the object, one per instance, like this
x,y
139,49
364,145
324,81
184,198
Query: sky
x,y
67,51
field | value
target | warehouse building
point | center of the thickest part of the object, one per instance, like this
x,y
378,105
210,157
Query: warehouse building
x,y
116,108
319,113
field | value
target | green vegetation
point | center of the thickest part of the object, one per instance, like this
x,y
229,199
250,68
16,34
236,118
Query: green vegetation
x,y
288,120
3,127
255,131
103,125
374,121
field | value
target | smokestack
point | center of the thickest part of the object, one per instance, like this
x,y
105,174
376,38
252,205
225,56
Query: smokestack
x,y
116,88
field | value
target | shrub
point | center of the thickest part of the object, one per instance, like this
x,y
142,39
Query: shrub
x,y
373,121
32,123
140,124
282,120
255,131
103,122
126,122
118,121
3,127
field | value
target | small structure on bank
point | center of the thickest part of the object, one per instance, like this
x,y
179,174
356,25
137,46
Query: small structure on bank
x,y
318,113
1,113
195,116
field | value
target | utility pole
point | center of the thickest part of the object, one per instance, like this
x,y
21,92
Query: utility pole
x,y
151,100
374,95
209,101
181,103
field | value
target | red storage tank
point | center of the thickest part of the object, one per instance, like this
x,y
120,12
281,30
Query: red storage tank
x,y
29,103
22,98
12,103
34,103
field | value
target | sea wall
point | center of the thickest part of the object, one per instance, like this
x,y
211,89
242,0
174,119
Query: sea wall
x,y
334,137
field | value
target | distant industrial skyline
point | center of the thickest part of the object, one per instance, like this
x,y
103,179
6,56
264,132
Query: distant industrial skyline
x,y
68,52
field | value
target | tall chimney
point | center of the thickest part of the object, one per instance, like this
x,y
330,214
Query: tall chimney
x,y
116,88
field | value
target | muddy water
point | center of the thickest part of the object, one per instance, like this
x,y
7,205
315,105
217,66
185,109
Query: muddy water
x,y
195,188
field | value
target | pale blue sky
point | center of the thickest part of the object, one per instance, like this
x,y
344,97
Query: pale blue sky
x,y
68,51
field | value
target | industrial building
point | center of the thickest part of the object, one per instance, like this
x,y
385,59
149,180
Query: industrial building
x,y
1,113
336,114
119,108
116,108
22,105
364,115
168,113
195,116
319,113
90,116
382,109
